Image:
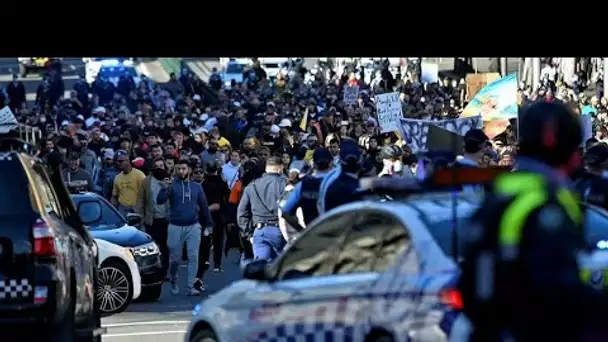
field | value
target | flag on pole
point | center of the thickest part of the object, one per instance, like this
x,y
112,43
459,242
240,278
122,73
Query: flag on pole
x,y
304,121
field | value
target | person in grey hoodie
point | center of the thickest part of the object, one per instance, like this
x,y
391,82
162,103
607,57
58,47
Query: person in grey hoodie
x,y
186,200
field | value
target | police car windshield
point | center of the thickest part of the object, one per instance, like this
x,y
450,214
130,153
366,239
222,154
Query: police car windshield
x,y
110,219
235,68
115,72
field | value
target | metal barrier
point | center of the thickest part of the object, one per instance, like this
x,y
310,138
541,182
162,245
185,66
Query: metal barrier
x,y
30,134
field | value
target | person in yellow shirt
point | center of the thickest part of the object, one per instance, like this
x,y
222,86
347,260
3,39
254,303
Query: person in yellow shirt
x,y
126,184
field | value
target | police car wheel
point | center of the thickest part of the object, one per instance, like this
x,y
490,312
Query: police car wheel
x,y
204,335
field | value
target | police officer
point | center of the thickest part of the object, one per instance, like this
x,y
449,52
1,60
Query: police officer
x,y
258,209
306,193
591,184
520,277
340,185
391,159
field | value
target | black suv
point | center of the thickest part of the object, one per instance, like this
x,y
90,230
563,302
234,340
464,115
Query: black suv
x,y
48,260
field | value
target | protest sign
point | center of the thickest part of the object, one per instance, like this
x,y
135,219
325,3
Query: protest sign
x,y
477,81
429,72
496,103
351,95
8,121
416,132
388,107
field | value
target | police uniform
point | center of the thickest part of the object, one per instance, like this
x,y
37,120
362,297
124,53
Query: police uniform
x,y
258,210
520,277
306,193
340,185
591,184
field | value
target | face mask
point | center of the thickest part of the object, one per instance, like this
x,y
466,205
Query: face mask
x,y
159,173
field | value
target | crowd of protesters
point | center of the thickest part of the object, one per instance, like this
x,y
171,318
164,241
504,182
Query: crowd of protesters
x,y
128,141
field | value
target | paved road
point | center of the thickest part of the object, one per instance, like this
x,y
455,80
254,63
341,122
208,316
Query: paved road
x,y
72,67
167,319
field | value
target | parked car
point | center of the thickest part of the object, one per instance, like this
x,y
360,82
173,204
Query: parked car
x,y
119,281
29,64
48,260
106,223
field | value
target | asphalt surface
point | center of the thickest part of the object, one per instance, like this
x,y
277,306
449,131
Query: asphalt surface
x,y
72,67
167,319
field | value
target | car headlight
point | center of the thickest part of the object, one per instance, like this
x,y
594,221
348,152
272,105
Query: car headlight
x,y
145,250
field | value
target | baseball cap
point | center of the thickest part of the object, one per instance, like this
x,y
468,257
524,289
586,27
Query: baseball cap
x,y
274,129
285,123
108,154
74,156
349,151
321,155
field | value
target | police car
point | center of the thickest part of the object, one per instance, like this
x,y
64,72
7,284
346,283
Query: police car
x,y
110,69
375,270
372,270
119,282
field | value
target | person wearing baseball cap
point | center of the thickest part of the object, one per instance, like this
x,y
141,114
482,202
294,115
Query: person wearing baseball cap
x,y
306,192
476,143
75,177
340,185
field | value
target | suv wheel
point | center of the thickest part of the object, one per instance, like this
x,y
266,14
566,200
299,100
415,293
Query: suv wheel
x,y
114,288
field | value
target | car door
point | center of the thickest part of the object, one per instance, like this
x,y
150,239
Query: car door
x,y
72,245
305,264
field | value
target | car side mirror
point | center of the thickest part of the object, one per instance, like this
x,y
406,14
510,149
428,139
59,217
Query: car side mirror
x,y
256,270
133,219
89,211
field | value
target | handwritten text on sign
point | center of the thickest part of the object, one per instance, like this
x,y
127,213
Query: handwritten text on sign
x,y
351,95
389,111
415,132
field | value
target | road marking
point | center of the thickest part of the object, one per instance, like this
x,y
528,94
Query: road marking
x,y
129,324
145,333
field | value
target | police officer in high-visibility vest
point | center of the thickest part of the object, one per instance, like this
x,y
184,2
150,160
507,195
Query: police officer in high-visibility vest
x,y
520,277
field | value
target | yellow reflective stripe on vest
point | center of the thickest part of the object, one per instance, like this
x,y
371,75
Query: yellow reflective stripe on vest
x,y
514,183
515,215
569,201
529,191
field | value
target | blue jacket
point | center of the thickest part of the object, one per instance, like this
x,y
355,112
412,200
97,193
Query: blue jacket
x,y
185,198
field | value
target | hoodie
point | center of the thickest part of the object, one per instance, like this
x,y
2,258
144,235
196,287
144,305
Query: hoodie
x,y
185,198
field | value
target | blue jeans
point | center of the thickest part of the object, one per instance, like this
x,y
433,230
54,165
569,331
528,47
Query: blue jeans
x,y
268,243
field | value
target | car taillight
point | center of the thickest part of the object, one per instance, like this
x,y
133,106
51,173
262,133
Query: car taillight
x,y
452,298
44,239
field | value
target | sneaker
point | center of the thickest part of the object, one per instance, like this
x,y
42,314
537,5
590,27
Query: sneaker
x,y
199,285
194,292
218,270
174,287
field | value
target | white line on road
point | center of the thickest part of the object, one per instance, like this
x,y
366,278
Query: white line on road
x,y
145,333
130,324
